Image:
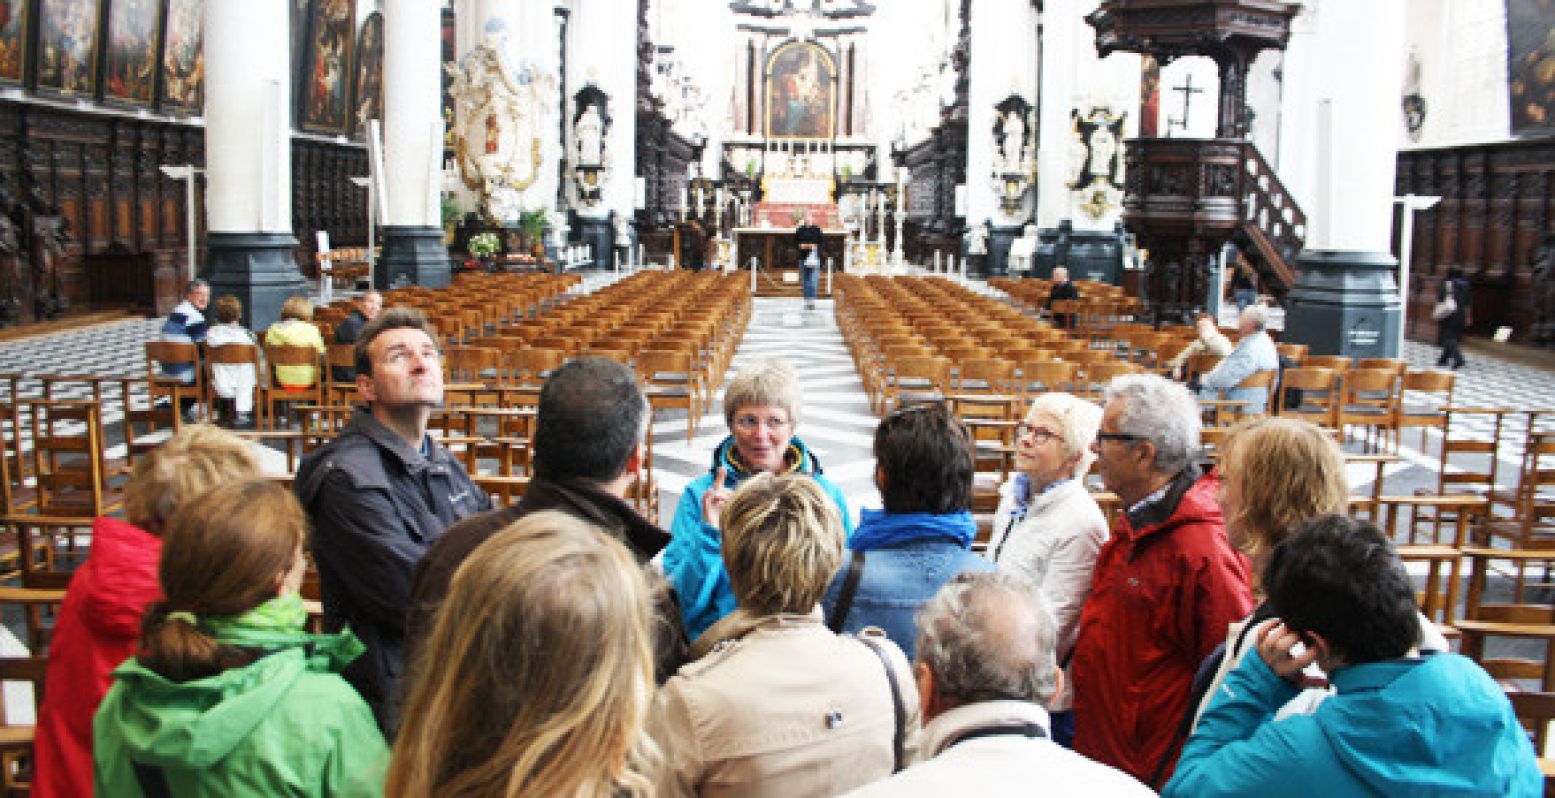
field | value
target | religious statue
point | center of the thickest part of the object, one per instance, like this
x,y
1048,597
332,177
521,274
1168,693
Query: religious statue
x,y
48,233
1013,145
498,122
1094,165
589,165
977,239
10,259
587,132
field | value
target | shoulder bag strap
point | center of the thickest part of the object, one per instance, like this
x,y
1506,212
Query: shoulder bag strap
x,y
844,605
899,743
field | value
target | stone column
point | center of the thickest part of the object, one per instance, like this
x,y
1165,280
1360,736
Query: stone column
x,y
248,158
1062,32
413,250
602,50
536,43
1004,48
1346,109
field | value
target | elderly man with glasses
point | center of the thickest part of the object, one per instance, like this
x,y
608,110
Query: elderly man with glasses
x,y
1166,584
761,406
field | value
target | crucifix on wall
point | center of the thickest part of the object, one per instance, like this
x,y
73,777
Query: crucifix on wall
x,y
1188,90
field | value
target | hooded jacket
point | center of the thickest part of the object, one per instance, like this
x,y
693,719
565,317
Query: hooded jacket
x,y
287,724
910,556
1436,725
693,560
98,626
1166,586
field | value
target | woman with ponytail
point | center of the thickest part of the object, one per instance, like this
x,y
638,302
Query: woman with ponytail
x,y
538,674
227,695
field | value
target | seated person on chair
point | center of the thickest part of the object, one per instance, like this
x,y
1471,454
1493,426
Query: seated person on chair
x,y
296,328
187,325
1396,724
1255,352
233,383
1209,342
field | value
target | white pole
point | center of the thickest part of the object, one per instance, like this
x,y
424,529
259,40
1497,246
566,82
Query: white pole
x,y
189,214
828,276
753,275
1408,204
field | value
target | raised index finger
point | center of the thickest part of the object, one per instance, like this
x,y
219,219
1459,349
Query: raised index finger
x,y
718,478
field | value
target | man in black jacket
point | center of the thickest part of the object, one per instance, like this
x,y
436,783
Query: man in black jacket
x,y
1449,328
588,449
1063,288
367,307
379,494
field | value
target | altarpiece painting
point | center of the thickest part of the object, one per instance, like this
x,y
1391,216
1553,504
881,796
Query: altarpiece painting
x,y
801,92
67,47
331,32
183,60
13,40
133,29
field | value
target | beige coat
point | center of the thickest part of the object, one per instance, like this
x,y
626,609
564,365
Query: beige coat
x,y
789,709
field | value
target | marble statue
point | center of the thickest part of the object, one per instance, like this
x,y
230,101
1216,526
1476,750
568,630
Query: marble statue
x,y
588,134
498,119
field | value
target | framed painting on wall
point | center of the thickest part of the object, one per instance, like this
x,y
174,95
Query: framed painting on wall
x,y
367,88
1530,52
325,105
801,91
300,14
134,33
183,57
67,46
13,40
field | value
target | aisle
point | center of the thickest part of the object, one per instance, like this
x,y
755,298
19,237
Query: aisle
x,y
836,421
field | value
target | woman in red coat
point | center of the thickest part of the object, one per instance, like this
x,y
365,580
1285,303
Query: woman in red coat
x,y
99,622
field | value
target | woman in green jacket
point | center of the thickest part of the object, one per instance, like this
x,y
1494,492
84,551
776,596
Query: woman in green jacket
x,y
228,695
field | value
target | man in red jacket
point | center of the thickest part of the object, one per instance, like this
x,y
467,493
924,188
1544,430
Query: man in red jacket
x,y
1166,584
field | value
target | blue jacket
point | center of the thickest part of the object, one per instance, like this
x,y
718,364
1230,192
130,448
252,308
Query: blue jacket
x,y
909,557
693,560
1254,353
1436,725
185,325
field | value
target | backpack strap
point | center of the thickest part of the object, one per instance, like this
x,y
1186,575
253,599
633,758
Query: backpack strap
x,y
844,605
898,745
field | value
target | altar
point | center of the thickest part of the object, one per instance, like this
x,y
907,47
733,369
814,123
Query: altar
x,y
774,247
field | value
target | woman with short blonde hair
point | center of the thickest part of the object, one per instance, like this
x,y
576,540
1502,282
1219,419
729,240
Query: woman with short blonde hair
x,y
295,328
1048,527
741,718
99,621
538,675
762,407
1275,475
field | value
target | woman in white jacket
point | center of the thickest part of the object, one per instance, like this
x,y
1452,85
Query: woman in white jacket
x,y
1047,526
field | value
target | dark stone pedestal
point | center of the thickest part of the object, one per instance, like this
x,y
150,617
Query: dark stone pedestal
x,y
596,233
413,255
1344,303
260,269
1089,254
999,240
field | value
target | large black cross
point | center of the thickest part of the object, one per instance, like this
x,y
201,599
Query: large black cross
x,y
1188,90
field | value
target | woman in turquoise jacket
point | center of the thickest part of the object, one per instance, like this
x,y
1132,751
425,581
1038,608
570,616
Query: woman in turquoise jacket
x,y
761,406
228,695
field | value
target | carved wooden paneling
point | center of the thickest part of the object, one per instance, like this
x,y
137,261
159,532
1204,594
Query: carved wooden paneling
x,y
1492,222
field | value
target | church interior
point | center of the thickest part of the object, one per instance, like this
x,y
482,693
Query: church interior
x,y
1011,198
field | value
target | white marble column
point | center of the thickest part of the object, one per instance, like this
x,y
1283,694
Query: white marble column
x,y
1340,140
538,45
1061,36
1004,50
248,157
413,250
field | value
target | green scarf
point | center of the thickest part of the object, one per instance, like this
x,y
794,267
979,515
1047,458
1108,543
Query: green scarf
x,y
278,624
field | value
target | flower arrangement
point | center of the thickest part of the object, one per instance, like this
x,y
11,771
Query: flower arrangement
x,y
484,245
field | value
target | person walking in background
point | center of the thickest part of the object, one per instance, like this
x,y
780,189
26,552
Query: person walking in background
x,y
808,237
1452,317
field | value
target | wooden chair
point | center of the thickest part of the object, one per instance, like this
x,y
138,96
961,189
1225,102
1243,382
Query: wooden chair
x,y
161,355
1516,619
234,355
1422,397
671,380
1319,395
1468,466
272,395
915,379
16,739
1371,402
1536,710
67,441
340,372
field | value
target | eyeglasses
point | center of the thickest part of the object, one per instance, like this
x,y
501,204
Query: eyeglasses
x,y
754,422
1119,436
1038,434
